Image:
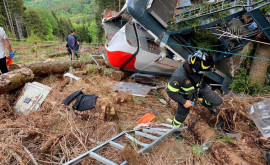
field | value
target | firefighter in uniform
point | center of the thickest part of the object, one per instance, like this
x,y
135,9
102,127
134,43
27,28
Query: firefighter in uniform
x,y
186,86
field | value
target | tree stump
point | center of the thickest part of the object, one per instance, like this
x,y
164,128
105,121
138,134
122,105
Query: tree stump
x,y
131,156
118,75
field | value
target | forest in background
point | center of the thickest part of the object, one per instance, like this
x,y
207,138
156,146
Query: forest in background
x,y
50,20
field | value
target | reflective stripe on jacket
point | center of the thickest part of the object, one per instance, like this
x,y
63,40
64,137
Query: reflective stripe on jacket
x,y
180,87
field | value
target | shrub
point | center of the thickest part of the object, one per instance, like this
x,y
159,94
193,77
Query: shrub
x,y
242,83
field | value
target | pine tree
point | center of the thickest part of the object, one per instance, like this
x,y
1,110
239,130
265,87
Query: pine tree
x,y
34,24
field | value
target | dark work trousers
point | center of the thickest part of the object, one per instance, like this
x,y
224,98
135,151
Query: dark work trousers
x,y
209,96
3,65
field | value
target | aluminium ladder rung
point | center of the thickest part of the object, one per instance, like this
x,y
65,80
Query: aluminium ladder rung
x,y
136,141
161,129
102,159
153,131
143,134
168,125
116,145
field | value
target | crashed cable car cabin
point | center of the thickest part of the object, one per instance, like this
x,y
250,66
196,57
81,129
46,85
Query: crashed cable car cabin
x,y
154,36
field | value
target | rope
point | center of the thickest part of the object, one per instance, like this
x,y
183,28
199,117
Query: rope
x,y
189,46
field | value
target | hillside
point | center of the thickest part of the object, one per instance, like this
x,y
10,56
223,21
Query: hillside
x,y
76,10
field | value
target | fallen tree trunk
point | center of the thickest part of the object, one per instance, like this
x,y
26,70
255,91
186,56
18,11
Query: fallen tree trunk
x,y
19,77
48,67
259,67
15,79
220,150
54,54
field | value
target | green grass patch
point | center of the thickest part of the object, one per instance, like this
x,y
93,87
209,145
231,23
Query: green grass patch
x,y
15,43
137,100
49,51
159,95
86,57
197,150
157,118
225,138
91,68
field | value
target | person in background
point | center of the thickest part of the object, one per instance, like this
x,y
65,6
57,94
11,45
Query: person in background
x,y
4,42
186,86
72,43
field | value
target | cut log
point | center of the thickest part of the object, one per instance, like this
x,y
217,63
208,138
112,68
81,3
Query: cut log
x,y
54,54
259,66
118,75
122,97
106,108
48,67
131,156
15,79
221,151
13,67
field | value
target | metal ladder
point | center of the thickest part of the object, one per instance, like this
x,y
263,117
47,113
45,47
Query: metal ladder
x,y
143,132
189,14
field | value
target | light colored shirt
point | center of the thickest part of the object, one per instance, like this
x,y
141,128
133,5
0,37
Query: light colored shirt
x,y
2,46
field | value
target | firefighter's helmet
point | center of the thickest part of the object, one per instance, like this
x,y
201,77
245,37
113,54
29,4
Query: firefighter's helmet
x,y
201,61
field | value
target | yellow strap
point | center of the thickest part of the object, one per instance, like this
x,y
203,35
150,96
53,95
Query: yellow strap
x,y
188,89
176,123
206,102
172,88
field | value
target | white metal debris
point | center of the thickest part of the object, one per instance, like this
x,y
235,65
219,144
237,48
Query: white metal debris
x,y
32,97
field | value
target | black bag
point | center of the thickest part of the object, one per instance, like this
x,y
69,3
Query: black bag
x,y
85,102
72,97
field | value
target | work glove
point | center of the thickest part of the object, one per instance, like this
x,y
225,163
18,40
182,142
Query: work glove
x,y
11,55
76,51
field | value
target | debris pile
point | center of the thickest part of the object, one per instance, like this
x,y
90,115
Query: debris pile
x,y
56,133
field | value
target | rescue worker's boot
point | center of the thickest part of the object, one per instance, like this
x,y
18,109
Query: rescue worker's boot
x,y
210,107
177,135
213,109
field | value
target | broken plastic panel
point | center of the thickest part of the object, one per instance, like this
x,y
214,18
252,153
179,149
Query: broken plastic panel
x,y
134,88
32,97
71,76
260,114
